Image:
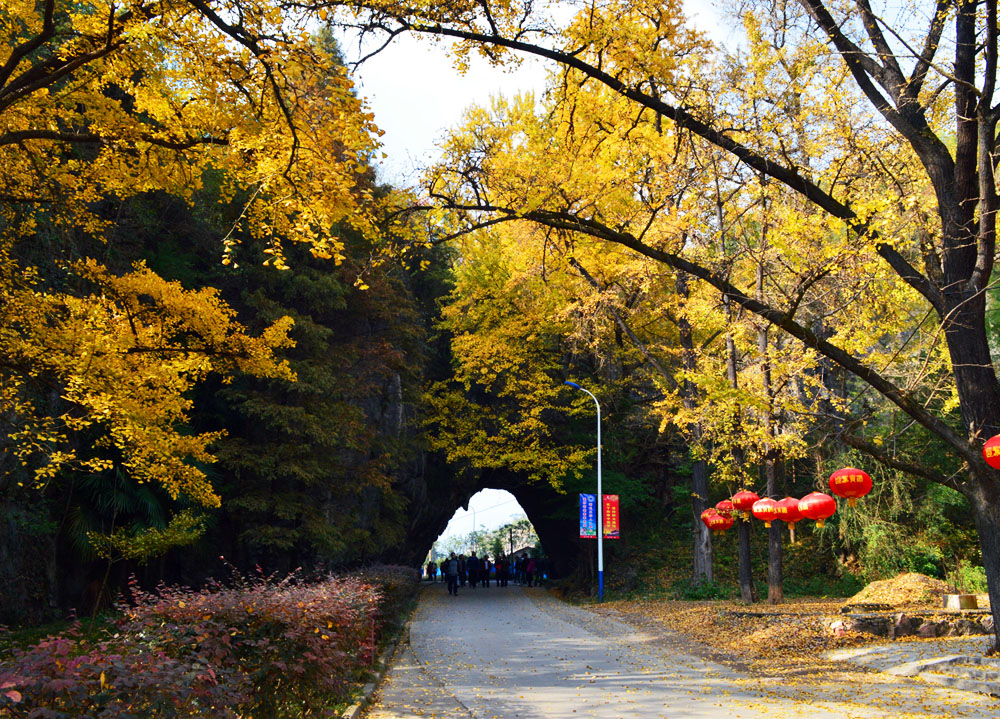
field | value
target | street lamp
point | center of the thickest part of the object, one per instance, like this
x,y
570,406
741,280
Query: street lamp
x,y
600,500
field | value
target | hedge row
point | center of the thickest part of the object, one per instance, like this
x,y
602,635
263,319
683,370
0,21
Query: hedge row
x,y
258,648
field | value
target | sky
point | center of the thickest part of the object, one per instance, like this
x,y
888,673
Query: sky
x,y
490,508
417,94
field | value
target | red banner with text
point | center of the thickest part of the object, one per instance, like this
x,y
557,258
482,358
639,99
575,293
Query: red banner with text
x,y
612,529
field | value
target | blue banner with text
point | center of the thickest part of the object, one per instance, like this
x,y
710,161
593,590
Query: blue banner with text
x,y
588,516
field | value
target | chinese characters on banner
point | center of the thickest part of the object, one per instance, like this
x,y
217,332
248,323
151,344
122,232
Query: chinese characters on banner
x,y
588,516
612,530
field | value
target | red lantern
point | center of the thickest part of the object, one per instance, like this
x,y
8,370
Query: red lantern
x,y
725,508
788,511
991,451
850,483
718,524
817,506
743,501
706,516
765,510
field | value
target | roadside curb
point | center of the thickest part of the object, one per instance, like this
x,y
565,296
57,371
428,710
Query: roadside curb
x,y
970,673
383,663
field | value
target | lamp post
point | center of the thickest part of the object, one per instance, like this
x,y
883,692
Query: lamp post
x,y
600,500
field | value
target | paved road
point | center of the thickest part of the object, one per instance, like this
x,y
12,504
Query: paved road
x,y
518,653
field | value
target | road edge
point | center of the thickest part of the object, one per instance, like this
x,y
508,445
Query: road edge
x,y
384,662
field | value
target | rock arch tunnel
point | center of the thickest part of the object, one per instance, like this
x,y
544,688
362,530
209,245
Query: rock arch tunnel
x,y
552,514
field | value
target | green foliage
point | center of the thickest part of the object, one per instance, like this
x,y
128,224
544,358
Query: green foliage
x,y
493,542
906,524
846,585
145,543
689,590
968,578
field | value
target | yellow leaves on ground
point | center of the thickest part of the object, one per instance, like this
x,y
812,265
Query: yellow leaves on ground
x,y
782,639
904,590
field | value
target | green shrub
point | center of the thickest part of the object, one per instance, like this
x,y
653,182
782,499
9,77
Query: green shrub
x,y
889,549
689,590
968,578
823,586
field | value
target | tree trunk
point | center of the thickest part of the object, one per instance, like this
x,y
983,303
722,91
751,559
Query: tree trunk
x,y
748,590
979,394
702,564
975,376
702,537
775,590
986,509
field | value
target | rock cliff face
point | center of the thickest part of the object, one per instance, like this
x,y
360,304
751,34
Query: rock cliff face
x,y
436,492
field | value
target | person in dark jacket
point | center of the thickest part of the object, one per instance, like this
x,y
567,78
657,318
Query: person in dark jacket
x,y
451,574
501,567
472,569
484,571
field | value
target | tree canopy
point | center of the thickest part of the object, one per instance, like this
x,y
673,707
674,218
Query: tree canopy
x,y
844,156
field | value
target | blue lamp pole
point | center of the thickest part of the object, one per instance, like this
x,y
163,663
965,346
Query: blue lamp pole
x,y
600,500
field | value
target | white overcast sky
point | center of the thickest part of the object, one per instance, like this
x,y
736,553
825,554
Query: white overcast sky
x,y
417,95
488,508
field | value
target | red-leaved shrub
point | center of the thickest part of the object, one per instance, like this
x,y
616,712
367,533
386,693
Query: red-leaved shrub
x,y
259,648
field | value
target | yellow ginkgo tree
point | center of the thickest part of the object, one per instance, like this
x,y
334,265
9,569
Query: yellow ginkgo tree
x,y
101,102
877,145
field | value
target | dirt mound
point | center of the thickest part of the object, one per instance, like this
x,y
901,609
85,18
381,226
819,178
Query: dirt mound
x,y
903,590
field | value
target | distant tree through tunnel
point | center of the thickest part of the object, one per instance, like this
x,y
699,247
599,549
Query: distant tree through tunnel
x,y
552,514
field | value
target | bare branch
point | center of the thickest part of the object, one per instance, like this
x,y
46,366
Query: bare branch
x,y
29,46
18,136
633,337
926,57
892,74
884,458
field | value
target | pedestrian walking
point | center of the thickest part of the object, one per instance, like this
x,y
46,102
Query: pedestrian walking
x,y
451,574
432,571
472,567
529,570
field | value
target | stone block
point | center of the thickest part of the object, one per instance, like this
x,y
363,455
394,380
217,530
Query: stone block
x,y
902,625
960,601
879,625
928,630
